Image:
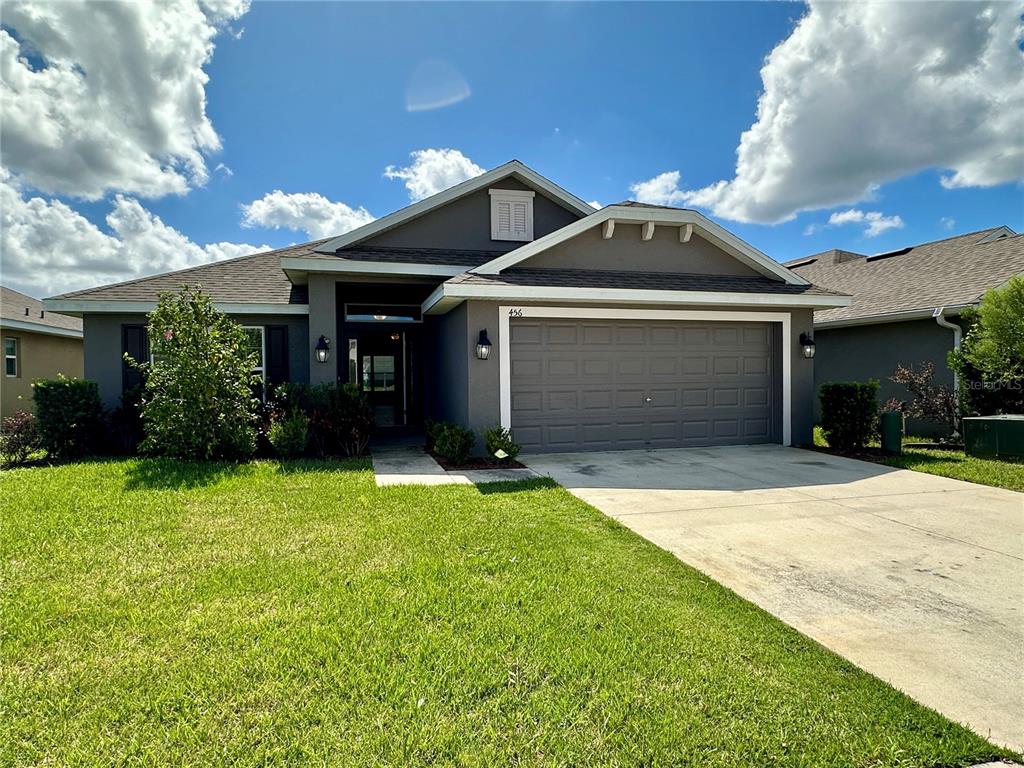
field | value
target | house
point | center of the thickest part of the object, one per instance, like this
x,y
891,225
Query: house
x,y
38,344
507,299
906,306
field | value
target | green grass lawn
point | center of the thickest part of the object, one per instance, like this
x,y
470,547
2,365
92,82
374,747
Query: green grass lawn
x,y
158,614
1002,473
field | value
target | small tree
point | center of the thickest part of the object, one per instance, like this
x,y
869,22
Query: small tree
x,y
198,401
849,413
930,400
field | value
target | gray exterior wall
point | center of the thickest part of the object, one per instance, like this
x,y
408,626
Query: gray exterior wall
x,y
453,355
102,347
480,378
862,352
466,223
627,251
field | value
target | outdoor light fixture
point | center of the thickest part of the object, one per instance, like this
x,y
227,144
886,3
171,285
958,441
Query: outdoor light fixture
x,y
379,318
483,346
322,349
808,344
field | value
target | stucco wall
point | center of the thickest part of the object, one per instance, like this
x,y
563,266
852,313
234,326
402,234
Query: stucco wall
x,y
40,356
453,355
482,376
862,352
103,347
466,223
627,251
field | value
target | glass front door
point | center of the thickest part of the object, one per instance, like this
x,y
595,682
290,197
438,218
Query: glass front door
x,y
381,377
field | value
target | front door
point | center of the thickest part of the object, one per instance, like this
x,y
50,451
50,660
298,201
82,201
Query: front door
x,y
382,376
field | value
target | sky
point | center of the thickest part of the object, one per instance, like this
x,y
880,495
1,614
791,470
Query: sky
x,y
213,129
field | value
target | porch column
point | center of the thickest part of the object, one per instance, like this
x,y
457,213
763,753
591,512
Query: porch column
x,y
323,321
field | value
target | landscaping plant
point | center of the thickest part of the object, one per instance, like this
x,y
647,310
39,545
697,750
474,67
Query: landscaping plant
x,y
453,443
199,400
930,400
500,444
19,438
69,414
849,413
341,419
288,434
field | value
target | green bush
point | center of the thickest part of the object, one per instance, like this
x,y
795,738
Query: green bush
x,y
430,430
69,415
198,401
289,434
19,438
453,443
849,413
341,419
354,420
499,439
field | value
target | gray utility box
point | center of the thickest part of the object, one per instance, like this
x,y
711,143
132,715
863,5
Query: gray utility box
x,y
994,437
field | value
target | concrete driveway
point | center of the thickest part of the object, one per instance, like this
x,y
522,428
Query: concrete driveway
x,y
915,578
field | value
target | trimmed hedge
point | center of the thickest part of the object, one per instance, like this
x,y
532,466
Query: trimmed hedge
x,y
69,415
849,413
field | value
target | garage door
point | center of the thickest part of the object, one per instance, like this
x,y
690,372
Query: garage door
x,y
608,385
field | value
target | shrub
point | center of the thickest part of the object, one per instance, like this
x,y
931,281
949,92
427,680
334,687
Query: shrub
x,y
849,413
929,399
995,341
430,430
341,419
453,443
69,415
354,420
289,434
199,400
126,431
500,444
19,438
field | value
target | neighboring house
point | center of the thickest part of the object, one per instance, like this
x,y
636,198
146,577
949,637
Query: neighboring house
x,y
906,306
633,326
37,344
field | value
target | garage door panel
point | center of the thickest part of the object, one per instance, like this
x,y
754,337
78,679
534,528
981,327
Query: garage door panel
x,y
602,385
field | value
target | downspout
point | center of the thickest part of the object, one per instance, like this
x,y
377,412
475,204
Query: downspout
x,y
957,337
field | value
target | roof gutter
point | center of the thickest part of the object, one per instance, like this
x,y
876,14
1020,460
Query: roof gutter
x,y
889,317
937,313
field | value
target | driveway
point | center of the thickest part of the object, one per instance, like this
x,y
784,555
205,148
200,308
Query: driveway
x,y
916,578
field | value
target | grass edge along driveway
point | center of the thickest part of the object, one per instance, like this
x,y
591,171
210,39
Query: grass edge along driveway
x,y
164,613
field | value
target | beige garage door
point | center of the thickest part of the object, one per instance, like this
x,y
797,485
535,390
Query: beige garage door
x,y
608,385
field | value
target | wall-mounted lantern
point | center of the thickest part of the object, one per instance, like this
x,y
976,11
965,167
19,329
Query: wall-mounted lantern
x,y
322,349
808,345
483,346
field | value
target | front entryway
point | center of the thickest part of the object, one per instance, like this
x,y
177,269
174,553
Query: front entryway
x,y
609,384
382,375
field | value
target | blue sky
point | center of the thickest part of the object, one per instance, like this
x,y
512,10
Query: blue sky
x,y
314,98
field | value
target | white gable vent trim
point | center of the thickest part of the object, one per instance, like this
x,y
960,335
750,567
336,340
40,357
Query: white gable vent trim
x,y
511,214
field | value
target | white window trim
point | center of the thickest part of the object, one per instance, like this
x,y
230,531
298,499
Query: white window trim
x,y
262,367
506,313
16,357
511,196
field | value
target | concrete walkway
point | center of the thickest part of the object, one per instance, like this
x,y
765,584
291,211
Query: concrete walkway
x,y
409,465
918,579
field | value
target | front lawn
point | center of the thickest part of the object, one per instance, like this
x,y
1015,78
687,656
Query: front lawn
x,y
158,614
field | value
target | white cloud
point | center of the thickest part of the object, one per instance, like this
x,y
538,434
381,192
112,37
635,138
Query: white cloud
x,y
595,204
433,170
435,84
876,222
103,97
50,248
307,212
663,189
947,222
864,93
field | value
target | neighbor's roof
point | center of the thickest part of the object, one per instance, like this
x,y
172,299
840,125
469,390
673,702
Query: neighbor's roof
x,y
22,310
945,273
254,279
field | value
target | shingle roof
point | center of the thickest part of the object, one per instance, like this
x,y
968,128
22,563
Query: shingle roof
x,y
18,306
254,279
651,281
458,258
950,272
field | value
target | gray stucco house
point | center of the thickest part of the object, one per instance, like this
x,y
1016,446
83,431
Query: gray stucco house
x,y
506,299
906,306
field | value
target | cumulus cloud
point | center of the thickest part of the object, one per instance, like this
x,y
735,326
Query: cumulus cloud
x,y
663,189
864,93
102,97
876,222
432,171
307,212
49,248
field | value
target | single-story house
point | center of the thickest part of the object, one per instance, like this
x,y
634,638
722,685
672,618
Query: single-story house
x,y
906,306
508,300
38,344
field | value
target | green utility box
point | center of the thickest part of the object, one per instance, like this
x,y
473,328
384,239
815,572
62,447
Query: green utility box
x,y
994,437
891,429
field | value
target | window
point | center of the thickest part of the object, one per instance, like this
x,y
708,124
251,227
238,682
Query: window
x,y
382,313
255,343
511,214
10,356
379,373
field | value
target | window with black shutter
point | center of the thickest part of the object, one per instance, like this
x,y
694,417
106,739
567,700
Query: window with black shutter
x,y
277,354
134,343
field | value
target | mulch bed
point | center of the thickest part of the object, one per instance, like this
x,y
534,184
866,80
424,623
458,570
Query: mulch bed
x,y
477,462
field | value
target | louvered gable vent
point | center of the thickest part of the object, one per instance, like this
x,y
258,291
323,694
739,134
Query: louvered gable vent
x,y
511,214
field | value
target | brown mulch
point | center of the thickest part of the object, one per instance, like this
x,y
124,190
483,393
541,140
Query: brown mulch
x,y
477,462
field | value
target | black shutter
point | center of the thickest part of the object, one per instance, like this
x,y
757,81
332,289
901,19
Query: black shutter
x,y
134,343
277,354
